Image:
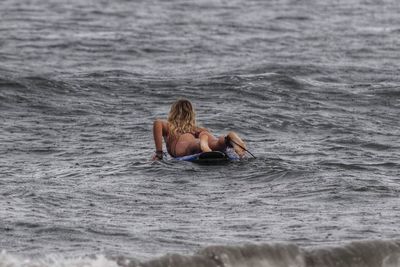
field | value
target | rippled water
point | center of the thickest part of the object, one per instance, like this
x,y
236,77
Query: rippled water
x,y
312,86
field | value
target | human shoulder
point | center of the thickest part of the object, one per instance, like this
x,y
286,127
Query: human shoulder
x,y
161,121
164,124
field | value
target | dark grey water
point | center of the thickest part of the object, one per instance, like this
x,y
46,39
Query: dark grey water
x,y
312,86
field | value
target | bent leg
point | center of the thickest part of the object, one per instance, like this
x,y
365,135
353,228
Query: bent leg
x,y
208,142
204,142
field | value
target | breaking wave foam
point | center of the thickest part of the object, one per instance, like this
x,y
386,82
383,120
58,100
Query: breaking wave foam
x,y
355,254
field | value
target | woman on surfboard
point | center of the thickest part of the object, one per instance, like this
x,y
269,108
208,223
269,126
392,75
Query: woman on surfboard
x,y
183,137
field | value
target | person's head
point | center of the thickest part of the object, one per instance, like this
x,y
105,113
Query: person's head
x,y
182,118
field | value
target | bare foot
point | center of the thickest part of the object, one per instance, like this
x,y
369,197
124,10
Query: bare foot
x,y
238,145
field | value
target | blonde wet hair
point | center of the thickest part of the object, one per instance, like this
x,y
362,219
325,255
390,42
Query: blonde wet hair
x,y
182,117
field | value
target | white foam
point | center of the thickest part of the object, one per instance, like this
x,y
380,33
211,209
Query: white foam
x,y
9,260
392,260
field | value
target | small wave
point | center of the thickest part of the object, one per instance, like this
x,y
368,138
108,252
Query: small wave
x,y
111,74
10,84
377,146
378,253
365,253
295,18
346,166
9,260
388,92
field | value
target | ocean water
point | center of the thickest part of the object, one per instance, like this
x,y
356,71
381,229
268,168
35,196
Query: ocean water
x,y
313,87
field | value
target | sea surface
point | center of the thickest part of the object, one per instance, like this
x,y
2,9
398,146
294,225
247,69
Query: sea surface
x,y
312,86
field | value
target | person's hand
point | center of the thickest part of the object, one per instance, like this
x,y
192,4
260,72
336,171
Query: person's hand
x,y
158,155
155,157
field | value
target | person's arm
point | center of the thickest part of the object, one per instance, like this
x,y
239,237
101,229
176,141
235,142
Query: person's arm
x,y
159,130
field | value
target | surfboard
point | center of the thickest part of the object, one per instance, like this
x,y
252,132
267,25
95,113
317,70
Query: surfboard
x,y
213,157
